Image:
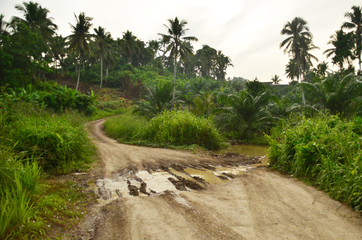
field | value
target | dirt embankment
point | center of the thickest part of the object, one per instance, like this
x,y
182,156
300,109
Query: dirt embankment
x,y
257,204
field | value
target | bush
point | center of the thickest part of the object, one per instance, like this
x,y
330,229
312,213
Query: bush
x,y
325,151
170,128
126,128
58,142
183,128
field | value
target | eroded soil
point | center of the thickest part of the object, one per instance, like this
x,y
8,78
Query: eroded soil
x,y
152,193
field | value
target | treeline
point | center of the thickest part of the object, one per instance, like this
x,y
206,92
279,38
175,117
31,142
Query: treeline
x,y
31,48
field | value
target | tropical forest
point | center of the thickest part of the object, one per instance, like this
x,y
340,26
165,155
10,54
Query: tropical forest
x,y
82,113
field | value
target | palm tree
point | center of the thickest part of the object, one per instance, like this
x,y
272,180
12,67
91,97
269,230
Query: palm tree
x,y
177,44
222,62
276,79
298,42
57,46
246,114
79,39
342,48
322,69
338,95
205,60
129,45
3,26
36,18
102,42
355,22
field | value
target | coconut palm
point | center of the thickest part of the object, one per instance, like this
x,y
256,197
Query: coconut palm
x,y
36,18
177,44
79,39
129,46
3,26
298,42
275,79
58,45
103,45
341,52
205,58
355,22
222,62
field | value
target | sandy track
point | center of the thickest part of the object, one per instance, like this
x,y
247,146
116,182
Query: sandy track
x,y
260,204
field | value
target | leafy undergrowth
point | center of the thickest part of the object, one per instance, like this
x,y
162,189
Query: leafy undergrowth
x,y
59,207
324,151
168,129
35,142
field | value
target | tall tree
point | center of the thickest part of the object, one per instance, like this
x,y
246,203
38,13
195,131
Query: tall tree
x,y
3,26
58,47
129,46
222,62
297,44
341,52
177,44
79,39
36,18
355,23
205,59
103,45
275,79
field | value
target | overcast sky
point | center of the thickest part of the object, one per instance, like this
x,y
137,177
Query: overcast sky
x,y
248,31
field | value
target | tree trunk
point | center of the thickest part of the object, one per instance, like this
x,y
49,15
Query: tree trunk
x,y
107,73
174,79
101,71
76,88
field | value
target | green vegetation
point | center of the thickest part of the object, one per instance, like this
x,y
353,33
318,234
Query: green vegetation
x,y
170,128
180,99
324,151
34,141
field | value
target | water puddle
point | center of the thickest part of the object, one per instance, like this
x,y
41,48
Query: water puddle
x,y
245,150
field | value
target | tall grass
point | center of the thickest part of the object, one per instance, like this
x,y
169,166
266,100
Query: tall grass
x,y
19,181
170,128
183,128
325,151
59,142
126,128
32,140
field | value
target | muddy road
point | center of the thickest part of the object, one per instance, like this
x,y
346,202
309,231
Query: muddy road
x,y
151,193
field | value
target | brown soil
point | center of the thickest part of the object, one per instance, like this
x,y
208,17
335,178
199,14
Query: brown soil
x,y
260,204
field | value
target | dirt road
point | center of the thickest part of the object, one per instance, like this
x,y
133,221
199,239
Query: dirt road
x,y
150,193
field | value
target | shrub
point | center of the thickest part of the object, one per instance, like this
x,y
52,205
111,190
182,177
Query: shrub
x,y
126,128
183,128
325,151
59,142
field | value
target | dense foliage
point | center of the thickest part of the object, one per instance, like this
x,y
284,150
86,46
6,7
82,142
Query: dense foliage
x,y
34,140
325,151
170,128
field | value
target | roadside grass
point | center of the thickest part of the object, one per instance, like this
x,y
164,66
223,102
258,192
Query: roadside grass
x,y
36,143
324,151
175,129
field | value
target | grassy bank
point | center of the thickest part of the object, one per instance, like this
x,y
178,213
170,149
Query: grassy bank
x,y
324,151
170,128
36,143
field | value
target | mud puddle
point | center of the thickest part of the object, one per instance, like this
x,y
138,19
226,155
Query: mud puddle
x,y
173,180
